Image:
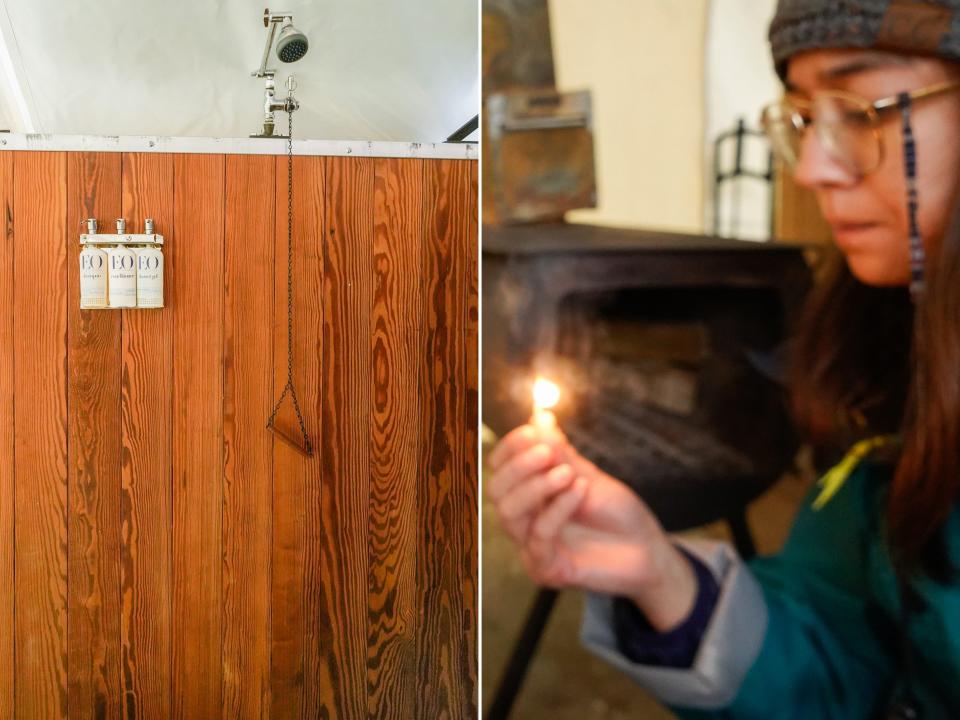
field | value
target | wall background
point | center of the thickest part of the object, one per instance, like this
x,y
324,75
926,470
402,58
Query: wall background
x,y
374,71
667,78
643,62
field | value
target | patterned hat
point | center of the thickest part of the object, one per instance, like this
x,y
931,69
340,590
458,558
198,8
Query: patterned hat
x,y
929,27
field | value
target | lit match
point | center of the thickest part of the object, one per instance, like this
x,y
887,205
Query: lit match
x,y
546,394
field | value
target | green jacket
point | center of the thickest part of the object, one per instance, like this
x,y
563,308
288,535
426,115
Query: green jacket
x,y
811,632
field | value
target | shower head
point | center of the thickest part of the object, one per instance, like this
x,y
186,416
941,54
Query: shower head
x,y
292,44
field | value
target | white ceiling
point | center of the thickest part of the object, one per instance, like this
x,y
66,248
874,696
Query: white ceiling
x,y
402,70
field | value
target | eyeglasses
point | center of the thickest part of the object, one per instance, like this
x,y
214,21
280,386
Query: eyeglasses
x,y
847,126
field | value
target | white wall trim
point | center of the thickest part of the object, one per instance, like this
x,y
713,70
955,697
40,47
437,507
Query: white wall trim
x,y
236,146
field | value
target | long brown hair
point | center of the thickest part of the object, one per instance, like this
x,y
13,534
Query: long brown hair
x,y
867,362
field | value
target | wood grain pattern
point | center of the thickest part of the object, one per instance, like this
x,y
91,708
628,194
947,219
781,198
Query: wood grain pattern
x,y
6,436
145,501
194,298
470,498
396,334
310,198
445,638
40,417
93,190
248,386
345,446
165,556
296,479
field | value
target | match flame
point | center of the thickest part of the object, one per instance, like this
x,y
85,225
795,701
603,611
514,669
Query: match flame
x,y
546,394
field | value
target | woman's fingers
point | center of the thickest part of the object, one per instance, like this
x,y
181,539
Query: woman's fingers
x,y
529,496
517,440
517,529
524,464
579,462
547,525
520,438
548,563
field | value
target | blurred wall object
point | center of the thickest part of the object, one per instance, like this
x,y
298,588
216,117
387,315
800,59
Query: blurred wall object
x,y
741,160
517,51
539,156
537,142
739,81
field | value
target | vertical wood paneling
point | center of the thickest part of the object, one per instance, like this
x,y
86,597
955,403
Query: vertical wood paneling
x,y
145,502
296,479
311,353
6,435
93,190
40,454
344,448
248,386
443,640
166,557
194,298
396,333
470,500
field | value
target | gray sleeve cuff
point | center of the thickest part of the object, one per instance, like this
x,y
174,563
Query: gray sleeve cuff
x,y
730,644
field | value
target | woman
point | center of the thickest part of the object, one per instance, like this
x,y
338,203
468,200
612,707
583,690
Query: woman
x,y
859,615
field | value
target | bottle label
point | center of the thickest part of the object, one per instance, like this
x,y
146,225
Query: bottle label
x,y
148,262
121,262
123,280
93,280
150,279
91,262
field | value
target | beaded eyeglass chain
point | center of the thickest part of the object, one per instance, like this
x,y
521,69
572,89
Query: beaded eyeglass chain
x,y
910,167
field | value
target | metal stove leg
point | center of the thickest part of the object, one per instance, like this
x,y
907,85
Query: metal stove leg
x,y
523,651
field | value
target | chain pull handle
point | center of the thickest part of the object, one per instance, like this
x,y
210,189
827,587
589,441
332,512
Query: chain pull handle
x,y
307,448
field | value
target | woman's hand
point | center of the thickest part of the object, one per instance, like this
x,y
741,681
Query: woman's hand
x,y
578,526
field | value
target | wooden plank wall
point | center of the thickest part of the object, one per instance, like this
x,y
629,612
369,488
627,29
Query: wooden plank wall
x,y
162,555
7,444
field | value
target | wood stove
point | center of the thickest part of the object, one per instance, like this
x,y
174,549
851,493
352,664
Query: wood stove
x,y
669,347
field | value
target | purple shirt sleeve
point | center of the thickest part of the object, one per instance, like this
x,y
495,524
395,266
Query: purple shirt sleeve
x,y
677,648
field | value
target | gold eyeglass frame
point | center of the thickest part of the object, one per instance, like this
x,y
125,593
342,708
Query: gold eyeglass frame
x,y
872,110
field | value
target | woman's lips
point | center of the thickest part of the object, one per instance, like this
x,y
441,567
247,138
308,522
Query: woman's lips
x,y
847,233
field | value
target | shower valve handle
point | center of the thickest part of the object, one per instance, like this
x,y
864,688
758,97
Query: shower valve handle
x,y
290,103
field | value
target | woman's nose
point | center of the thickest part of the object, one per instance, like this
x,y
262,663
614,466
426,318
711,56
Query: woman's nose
x,y
817,168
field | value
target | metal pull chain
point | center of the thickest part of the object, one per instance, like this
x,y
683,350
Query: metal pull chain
x,y
289,388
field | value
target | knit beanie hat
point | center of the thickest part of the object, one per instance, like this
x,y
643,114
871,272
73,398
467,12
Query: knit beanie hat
x,y
929,27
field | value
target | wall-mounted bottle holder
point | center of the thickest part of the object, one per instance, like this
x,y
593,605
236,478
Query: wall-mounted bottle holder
x,y
121,270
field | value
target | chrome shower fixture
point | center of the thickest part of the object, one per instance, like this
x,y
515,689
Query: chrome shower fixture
x,y
291,46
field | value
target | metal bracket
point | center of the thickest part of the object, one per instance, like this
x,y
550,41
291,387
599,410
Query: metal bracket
x,y
538,110
114,239
270,20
